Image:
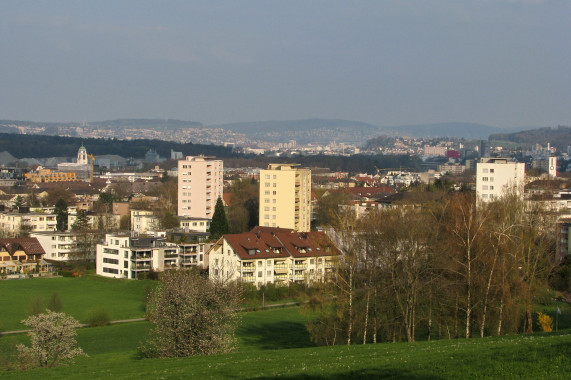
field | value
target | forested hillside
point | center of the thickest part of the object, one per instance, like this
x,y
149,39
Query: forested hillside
x,y
41,146
559,137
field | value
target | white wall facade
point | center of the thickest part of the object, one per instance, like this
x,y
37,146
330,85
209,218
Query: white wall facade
x,y
496,177
285,197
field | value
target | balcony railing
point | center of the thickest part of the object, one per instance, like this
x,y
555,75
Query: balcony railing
x,y
281,266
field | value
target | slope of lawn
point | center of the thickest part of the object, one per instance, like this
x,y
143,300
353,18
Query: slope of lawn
x,y
122,299
274,343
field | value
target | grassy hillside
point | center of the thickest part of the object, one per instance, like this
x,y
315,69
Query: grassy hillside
x,y
121,298
113,352
269,344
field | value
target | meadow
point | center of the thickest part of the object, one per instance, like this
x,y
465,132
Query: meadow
x,y
123,299
274,343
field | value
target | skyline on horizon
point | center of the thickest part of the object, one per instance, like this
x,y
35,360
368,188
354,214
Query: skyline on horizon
x,y
498,63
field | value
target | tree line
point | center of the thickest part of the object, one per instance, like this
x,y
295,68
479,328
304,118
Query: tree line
x,y
447,269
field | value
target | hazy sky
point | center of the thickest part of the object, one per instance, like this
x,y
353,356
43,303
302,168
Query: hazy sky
x,y
501,62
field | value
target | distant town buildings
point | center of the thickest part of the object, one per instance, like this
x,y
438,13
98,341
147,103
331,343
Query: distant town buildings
x,y
285,197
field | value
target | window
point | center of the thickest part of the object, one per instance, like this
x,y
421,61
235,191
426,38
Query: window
x,y
267,176
267,208
274,216
484,187
267,184
266,216
269,273
311,261
485,179
491,188
273,200
484,170
260,263
275,192
267,200
491,170
269,262
275,176
260,274
491,179
267,192
275,184
273,209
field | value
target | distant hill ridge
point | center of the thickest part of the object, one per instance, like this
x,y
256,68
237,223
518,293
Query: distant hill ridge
x,y
559,137
314,130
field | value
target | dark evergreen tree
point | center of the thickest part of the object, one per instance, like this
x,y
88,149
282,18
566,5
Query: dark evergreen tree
x,y
60,209
219,225
81,221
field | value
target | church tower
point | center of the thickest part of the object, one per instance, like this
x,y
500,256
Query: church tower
x,y
82,156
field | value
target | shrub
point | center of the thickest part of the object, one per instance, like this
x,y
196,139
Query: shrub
x,y
98,317
54,303
545,322
36,306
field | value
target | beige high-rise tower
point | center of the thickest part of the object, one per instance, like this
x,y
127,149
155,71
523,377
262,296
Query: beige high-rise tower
x,y
199,186
285,197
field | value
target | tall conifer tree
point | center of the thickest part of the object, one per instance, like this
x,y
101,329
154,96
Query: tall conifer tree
x,y
219,225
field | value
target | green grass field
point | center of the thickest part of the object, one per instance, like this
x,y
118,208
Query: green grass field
x,y
270,343
259,354
122,299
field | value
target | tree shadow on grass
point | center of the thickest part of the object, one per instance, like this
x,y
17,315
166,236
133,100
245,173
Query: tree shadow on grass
x,y
274,336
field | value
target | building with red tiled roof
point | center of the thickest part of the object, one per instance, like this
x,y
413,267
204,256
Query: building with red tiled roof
x,y
272,255
21,255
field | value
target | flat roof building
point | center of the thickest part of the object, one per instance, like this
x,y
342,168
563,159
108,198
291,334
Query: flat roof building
x,y
285,197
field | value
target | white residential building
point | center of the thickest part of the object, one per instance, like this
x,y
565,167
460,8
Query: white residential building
x,y
143,221
123,256
58,245
272,255
12,222
496,177
285,197
193,254
200,182
195,224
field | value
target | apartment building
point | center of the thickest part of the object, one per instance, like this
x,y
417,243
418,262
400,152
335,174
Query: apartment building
x,y
13,222
61,246
496,177
143,221
124,256
193,255
285,197
200,183
195,224
96,221
272,255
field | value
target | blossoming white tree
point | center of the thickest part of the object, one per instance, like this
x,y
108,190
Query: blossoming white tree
x,y
52,339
